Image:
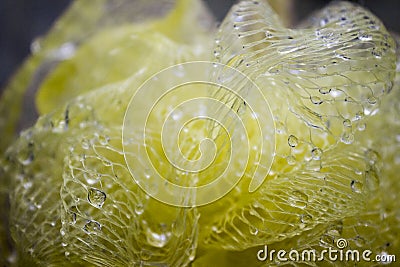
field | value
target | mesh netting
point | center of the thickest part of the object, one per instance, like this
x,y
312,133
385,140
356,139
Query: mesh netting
x,y
334,94
331,173
100,216
68,197
110,221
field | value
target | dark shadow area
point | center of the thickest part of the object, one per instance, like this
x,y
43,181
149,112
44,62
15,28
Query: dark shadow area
x,y
20,22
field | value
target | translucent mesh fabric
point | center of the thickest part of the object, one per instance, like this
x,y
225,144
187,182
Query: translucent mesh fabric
x,y
324,81
77,203
109,222
40,171
333,90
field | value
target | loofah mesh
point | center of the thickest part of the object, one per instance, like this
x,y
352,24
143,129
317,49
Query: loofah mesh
x,y
374,226
43,179
109,221
100,216
74,202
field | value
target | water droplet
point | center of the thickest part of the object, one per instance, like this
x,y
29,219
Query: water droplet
x,y
298,199
82,157
347,123
292,141
372,156
359,115
361,126
191,250
370,110
216,54
139,208
280,127
357,171
253,230
347,138
28,160
318,33
72,214
275,69
104,139
34,206
67,253
93,179
326,240
324,90
26,156
356,186
291,160
85,144
336,93
305,218
316,100
64,244
377,52
158,239
372,100
96,197
316,153
92,227
335,229
372,179
216,229
365,37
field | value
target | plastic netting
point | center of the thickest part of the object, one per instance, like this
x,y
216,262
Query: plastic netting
x,y
333,90
337,147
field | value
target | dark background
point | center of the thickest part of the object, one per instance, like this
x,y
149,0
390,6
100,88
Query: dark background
x,y
22,20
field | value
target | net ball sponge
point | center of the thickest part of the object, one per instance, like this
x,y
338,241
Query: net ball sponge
x,y
333,88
